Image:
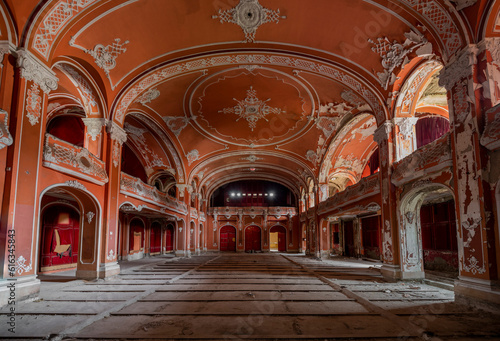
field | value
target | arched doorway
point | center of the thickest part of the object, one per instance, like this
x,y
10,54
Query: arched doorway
x,y
59,238
136,239
252,239
169,238
228,238
192,237
428,232
155,239
277,239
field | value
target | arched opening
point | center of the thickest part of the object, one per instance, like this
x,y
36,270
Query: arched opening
x,y
192,236
69,128
227,238
335,247
303,238
131,164
428,233
169,238
372,166
155,239
201,238
349,247
371,236
69,230
277,239
136,239
252,239
59,238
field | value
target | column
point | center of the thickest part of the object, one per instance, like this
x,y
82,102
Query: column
x,y
406,141
31,84
390,235
470,99
113,147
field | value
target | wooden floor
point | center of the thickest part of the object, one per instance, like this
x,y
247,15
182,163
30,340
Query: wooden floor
x,y
247,296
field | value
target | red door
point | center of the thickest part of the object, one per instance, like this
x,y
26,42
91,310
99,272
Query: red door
x,y
228,238
169,239
155,238
252,238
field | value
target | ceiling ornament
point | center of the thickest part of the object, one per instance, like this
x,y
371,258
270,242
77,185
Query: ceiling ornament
x,y
251,158
461,4
83,87
249,15
176,124
148,96
192,156
312,156
252,109
395,54
105,56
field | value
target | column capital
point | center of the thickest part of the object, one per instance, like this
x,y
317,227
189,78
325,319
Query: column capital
x,y
34,70
405,125
460,67
94,126
382,132
117,133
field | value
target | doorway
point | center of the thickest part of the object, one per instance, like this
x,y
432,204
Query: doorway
x,y
277,239
252,239
228,238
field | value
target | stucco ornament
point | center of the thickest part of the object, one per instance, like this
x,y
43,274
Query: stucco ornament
x,y
105,56
252,109
249,15
5,136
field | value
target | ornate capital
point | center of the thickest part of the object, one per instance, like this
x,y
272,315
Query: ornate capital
x,y
382,132
117,133
405,125
34,70
94,126
460,68
5,48
5,137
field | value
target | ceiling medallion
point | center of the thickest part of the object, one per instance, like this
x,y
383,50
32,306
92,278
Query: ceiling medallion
x,y
249,15
252,109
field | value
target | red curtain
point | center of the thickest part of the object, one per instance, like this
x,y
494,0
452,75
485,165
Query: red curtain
x,y
429,129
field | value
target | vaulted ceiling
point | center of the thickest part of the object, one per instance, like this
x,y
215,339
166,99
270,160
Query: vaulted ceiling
x,y
243,89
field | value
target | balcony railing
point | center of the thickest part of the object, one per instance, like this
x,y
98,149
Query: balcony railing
x,y
426,159
366,186
70,159
134,187
253,211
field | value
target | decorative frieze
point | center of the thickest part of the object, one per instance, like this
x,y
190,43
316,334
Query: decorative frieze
x,y
37,72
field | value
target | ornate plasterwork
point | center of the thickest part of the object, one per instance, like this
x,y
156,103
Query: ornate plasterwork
x,y
460,68
53,22
105,56
441,21
5,136
5,48
192,156
406,125
83,86
252,109
35,71
176,123
395,54
383,132
493,46
75,184
312,157
461,4
249,15
151,158
170,71
90,215
21,265
111,255
117,133
33,104
251,158
94,126
148,96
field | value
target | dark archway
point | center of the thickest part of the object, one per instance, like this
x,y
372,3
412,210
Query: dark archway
x,y
252,239
228,238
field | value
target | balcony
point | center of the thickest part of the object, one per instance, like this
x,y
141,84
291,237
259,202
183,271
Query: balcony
x,y
135,188
67,158
253,211
427,159
365,187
